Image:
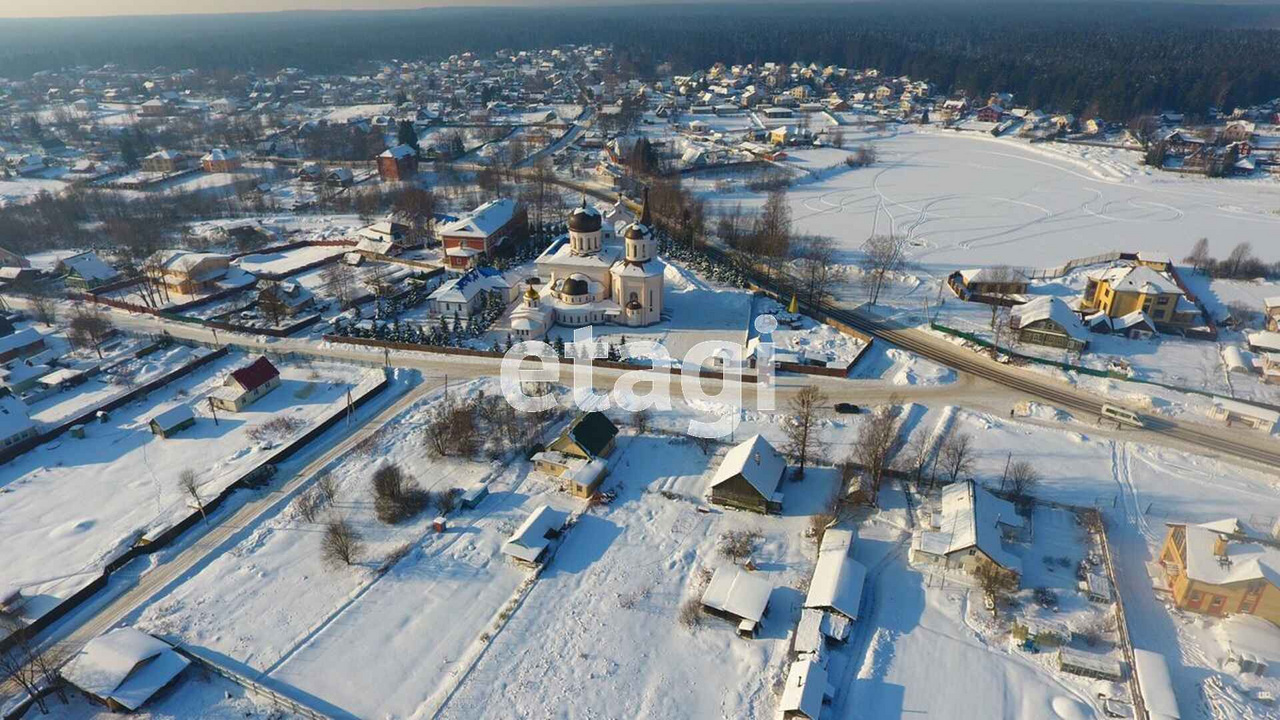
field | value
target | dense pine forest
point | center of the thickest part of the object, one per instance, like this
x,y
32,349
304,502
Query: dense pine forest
x,y
1114,59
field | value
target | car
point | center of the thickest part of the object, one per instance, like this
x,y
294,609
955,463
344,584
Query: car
x,y
845,408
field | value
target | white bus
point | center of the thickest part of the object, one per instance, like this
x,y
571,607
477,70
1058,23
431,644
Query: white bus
x,y
1121,415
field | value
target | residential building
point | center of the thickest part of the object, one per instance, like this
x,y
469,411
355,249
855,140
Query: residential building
x,y
86,271
383,238
124,668
166,161
1048,321
222,160
469,293
242,387
1271,308
749,476
805,691
289,297
15,425
969,530
578,456
989,282
479,233
21,344
1121,290
1221,568
398,164
187,273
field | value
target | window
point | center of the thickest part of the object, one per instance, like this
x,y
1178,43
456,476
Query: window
x,y
1195,596
1217,602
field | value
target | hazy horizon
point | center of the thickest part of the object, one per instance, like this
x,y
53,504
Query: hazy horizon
x,y
30,9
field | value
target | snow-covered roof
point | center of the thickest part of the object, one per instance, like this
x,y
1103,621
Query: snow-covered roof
x,y
173,417
13,417
1133,319
1235,407
88,266
737,592
992,274
125,665
22,338
806,684
1264,339
1140,278
466,286
484,221
970,517
1156,685
184,260
1243,561
530,539
1047,307
757,462
399,152
837,584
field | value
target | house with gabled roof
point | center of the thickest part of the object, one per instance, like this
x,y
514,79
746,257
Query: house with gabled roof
x,y
1222,568
124,668
578,456
969,530
528,545
738,596
749,476
1048,320
479,233
244,386
86,271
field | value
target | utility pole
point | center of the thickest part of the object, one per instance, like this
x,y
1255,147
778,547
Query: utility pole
x,y
350,409
213,411
1005,476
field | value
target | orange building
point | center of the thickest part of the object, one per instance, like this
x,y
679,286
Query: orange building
x,y
1219,568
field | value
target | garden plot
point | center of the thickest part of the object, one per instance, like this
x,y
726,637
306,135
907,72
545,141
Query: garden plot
x,y
1138,488
76,504
601,629
411,606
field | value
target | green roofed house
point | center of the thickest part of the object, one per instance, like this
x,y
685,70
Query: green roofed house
x,y
577,456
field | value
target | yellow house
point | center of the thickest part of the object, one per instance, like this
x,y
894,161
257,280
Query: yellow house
x,y
1218,569
1120,291
577,456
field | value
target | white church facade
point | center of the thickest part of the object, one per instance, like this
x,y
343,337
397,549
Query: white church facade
x,y
599,273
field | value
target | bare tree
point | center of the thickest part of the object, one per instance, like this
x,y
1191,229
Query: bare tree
x,y
89,327
738,545
190,486
956,456
1240,255
876,442
771,236
43,308
1022,480
1199,258
272,304
395,496
327,485
803,444
17,664
340,279
815,260
881,256
342,543
836,137
916,458
641,419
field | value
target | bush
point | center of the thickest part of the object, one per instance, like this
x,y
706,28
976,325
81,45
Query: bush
x,y
691,613
739,544
396,498
274,429
341,544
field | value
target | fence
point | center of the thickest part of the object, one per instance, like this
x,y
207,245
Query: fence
x,y
86,416
1122,625
1057,272
257,688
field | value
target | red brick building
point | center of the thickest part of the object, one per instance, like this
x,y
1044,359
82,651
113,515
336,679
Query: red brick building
x,y
479,233
398,164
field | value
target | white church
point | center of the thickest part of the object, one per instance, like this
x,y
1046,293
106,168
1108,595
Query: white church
x,y
589,278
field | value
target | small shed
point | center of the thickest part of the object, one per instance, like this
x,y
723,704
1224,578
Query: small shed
x,y
1096,587
805,691
171,421
1156,685
529,543
439,524
473,495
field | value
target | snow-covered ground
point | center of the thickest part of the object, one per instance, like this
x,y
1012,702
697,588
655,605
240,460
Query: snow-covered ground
x,y
969,200
75,504
288,260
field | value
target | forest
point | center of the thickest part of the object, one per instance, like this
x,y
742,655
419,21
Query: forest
x,y
1114,59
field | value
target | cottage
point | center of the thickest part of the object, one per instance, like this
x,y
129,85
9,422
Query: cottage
x,y
187,273
990,282
243,387
480,233
340,178
287,298
1048,321
1233,412
970,530
21,375
86,271
165,161
172,421
221,160
837,581
1271,309
738,596
1122,290
1263,341
124,668
577,456
398,164
385,238
528,544
749,476
1221,568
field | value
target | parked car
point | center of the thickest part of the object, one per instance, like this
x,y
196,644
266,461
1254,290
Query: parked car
x,y
845,408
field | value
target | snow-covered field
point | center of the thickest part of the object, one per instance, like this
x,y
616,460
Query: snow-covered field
x,y
74,504
969,200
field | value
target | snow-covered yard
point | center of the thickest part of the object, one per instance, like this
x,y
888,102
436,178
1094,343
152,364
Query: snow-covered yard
x,y
286,261
75,504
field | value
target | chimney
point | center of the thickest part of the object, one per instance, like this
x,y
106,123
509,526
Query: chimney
x,y
1220,546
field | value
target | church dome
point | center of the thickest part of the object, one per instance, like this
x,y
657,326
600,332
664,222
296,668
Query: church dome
x,y
584,219
635,305
573,287
637,231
